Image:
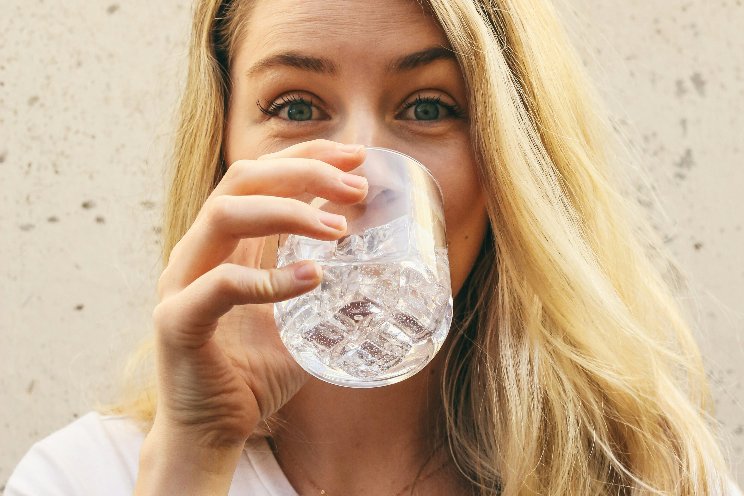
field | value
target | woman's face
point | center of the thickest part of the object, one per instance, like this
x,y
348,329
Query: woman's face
x,y
354,71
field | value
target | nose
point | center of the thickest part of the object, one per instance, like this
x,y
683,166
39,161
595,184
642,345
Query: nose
x,y
363,125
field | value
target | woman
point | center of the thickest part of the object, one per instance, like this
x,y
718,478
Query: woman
x,y
568,369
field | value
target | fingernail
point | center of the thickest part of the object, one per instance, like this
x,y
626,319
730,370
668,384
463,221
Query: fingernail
x,y
307,272
354,181
337,222
351,148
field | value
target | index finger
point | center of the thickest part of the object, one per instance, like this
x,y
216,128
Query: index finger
x,y
340,155
306,165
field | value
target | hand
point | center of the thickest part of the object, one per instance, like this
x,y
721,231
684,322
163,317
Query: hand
x,y
221,366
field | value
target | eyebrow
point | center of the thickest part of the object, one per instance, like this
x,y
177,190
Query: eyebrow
x,y
321,65
294,60
421,58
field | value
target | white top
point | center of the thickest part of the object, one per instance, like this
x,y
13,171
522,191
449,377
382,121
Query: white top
x,y
99,455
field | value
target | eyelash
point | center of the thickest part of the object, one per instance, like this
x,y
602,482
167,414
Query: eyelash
x,y
276,107
273,110
454,110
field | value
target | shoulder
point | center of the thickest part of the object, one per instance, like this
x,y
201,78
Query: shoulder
x,y
95,454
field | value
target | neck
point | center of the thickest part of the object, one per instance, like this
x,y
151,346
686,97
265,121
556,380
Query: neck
x,y
350,441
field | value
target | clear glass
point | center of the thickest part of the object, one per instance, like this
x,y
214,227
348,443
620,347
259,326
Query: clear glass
x,y
384,307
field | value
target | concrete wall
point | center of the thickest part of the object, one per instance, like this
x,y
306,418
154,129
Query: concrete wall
x,y
86,97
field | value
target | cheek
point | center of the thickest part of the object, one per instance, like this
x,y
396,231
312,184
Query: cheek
x,y
243,139
455,171
461,194
238,144
465,212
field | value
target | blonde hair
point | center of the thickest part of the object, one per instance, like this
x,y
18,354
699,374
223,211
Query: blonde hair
x,y
572,371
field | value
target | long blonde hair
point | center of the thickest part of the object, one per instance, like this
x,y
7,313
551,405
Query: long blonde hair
x,y
572,371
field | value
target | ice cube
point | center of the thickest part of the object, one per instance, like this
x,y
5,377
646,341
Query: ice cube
x,y
382,350
383,359
359,309
418,295
381,283
358,363
411,327
338,282
391,339
349,247
325,335
388,240
297,312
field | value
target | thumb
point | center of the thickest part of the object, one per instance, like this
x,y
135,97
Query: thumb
x,y
196,309
274,285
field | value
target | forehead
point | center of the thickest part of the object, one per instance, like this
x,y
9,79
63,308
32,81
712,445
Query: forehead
x,y
351,28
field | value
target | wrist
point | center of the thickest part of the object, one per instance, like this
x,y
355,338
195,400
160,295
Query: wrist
x,y
173,461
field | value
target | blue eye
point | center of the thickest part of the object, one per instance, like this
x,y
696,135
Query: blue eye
x,y
299,111
430,109
426,111
293,108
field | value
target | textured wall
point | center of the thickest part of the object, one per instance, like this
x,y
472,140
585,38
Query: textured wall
x,y
86,97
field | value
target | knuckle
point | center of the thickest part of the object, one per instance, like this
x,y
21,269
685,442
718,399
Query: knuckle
x,y
267,286
315,168
176,250
239,169
218,210
306,147
311,218
239,164
225,282
160,317
297,214
268,156
243,286
167,283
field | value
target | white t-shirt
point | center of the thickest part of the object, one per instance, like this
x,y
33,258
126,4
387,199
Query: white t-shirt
x,y
99,455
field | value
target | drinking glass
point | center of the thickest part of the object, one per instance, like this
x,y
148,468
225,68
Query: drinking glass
x,y
384,306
